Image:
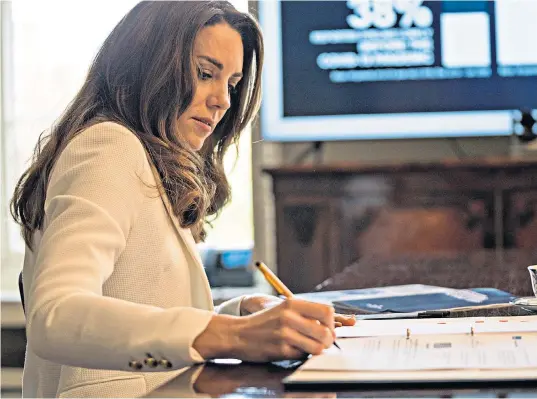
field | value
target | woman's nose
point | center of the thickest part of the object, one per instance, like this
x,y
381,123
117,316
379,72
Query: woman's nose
x,y
220,98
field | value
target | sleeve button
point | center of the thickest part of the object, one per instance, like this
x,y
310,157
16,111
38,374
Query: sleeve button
x,y
133,364
151,362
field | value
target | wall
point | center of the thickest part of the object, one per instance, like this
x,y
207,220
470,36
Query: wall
x,y
402,150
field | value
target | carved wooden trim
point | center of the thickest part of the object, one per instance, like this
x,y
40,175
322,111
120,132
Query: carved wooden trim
x,y
303,219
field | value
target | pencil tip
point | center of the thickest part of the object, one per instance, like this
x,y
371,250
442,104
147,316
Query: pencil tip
x,y
258,264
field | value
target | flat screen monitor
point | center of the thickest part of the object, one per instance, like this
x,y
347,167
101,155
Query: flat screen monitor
x,y
389,69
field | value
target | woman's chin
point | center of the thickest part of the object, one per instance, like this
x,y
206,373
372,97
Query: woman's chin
x,y
196,143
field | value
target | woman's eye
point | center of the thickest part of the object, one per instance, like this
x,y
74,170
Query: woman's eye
x,y
232,89
204,75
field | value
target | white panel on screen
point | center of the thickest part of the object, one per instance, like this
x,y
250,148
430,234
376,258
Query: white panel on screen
x,y
465,40
516,32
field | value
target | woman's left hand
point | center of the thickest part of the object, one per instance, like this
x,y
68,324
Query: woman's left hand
x,y
344,320
255,303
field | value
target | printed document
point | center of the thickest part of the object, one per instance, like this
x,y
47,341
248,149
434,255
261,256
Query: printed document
x,y
439,326
429,352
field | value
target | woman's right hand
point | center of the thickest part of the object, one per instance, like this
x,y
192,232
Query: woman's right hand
x,y
288,330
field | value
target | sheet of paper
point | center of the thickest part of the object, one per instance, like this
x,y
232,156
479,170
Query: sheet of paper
x,y
456,325
386,377
489,351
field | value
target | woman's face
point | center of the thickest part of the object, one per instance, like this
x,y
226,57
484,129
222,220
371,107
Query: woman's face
x,y
218,57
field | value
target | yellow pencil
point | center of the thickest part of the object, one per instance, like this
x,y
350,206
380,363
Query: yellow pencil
x,y
277,284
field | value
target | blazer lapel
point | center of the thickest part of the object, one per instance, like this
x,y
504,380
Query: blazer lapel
x,y
188,239
185,234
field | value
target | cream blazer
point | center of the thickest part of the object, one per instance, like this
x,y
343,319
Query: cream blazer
x,y
115,289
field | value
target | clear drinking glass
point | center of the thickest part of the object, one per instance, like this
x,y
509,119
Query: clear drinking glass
x,y
533,275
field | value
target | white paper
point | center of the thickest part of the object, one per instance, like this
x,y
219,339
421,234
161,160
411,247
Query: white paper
x,y
489,351
387,377
438,326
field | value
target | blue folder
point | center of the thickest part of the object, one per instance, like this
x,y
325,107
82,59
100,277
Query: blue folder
x,y
426,301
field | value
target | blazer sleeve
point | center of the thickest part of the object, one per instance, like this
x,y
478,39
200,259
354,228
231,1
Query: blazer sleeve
x,y
93,198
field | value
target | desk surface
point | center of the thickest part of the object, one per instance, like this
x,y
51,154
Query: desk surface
x,y
506,271
264,380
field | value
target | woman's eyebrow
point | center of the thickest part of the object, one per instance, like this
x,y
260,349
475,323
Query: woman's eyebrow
x,y
219,65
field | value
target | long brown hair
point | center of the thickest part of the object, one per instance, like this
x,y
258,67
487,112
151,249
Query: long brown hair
x,y
143,78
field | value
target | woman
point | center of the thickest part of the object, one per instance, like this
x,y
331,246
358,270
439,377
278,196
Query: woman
x,y
116,198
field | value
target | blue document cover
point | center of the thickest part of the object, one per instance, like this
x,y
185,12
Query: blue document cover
x,y
451,298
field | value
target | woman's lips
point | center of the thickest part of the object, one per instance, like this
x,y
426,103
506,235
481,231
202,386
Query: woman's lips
x,y
202,126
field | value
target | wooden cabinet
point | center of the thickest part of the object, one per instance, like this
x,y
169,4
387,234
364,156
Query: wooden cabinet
x,y
436,228
332,215
521,220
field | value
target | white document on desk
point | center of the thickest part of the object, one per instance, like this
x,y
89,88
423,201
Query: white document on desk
x,y
446,352
440,326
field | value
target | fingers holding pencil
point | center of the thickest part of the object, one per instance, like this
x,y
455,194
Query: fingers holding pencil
x,y
286,331
281,289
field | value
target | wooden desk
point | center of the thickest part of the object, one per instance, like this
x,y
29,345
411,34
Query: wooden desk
x,y
505,271
264,381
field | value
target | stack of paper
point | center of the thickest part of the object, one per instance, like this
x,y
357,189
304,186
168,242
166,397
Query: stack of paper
x,y
427,350
456,325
